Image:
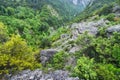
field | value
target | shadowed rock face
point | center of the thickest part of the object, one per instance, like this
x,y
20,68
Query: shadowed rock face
x,y
40,75
46,55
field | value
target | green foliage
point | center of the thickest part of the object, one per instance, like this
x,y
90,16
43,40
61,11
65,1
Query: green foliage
x,y
105,52
85,69
31,24
36,26
98,7
23,12
10,11
118,1
107,48
107,72
16,55
3,33
45,42
59,59
106,9
110,17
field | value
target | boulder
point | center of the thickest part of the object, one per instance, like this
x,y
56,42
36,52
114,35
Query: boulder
x,y
112,29
46,55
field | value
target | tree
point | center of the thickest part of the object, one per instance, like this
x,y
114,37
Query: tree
x,y
16,55
3,33
85,69
118,1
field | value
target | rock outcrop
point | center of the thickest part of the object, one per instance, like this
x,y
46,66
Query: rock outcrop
x,y
46,55
66,42
40,75
90,27
112,29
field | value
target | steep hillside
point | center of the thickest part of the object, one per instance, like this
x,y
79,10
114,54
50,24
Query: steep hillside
x,y
37,41
66,8
92,8
48,15
69,8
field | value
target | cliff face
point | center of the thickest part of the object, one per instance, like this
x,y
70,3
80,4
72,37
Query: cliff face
x,y
83,3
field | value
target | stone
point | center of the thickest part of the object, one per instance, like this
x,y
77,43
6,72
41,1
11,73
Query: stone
x,y
46,55
31,78
74,49
89,27
112,29
65,36
116,9
72,78
32,75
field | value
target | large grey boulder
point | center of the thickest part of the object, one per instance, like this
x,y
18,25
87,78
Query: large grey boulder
x,y
40,75
46,55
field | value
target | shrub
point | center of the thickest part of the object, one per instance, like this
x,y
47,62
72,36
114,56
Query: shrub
x,y
45,42
110,17
107,72
3,33
118,1
105,10
15,55
89,70
59,59
85,69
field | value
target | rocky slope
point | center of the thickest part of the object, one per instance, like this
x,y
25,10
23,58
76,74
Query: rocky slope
x,y
66,43
77,29
40,75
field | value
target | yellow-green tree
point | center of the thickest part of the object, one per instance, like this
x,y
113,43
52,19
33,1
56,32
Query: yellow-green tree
x,y
3,33
16,55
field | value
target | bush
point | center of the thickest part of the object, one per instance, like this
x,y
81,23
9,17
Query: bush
x,y
15,55
118,1
107,72
85,69
45,42
105,10
58,61
3,33
110,17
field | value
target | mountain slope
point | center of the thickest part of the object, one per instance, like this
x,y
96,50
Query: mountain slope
x,y
66,8
90,9
34,40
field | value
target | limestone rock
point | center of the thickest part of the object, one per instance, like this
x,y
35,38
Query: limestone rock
x,y
112,29
46,55
40,75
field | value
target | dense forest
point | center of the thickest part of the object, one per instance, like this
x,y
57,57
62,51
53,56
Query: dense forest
x,y
86,39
